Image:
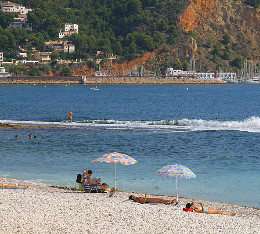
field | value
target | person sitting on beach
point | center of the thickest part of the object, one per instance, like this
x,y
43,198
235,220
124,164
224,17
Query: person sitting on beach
x,y
88,182
12,186
144,199
191,207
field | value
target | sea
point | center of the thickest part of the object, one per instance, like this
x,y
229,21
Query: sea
x,y
214,130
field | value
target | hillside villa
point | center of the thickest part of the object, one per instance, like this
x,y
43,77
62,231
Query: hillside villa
x,y
69,30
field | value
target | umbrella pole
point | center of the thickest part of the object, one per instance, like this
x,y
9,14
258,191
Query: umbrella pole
x,y
115,176
176,189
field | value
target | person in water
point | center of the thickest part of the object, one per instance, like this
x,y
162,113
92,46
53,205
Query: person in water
x,y
70,116
144,200
191,207
30,136
12,186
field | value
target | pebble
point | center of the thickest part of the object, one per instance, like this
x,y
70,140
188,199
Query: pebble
x,y
42,209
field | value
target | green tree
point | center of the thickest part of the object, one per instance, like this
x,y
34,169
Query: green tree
x,y
185,66
133,7
5,19
226,53
176,64
254,3
217,48
226,39
132,48
118,49
192,34
37,17
17,70
66,71
237,62
52,25
34,72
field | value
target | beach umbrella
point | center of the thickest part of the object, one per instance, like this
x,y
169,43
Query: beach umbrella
x,y
177,171
116,158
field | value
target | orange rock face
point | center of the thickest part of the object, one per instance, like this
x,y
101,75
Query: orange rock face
x,y
196,13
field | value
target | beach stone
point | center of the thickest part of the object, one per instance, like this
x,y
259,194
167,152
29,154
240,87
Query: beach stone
x,y
41,209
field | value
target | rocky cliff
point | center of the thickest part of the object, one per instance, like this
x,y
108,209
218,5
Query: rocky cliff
x,y
215,19
204,23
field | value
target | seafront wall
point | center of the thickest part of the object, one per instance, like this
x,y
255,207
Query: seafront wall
x,y
41,80
147,80
104,80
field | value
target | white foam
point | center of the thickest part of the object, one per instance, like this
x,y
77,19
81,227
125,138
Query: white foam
x,y
251,124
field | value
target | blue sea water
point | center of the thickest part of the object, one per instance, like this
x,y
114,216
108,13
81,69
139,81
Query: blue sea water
x,y
158,125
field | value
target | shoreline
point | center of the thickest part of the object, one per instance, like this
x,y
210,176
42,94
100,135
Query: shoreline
x,y
51,209
107,80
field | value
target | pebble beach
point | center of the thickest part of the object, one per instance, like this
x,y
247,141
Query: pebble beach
x,y
44,209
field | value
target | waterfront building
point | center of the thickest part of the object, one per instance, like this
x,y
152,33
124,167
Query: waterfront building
x,y
3,73
226,76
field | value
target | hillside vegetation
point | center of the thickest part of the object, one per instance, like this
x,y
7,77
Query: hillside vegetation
x,y
218,34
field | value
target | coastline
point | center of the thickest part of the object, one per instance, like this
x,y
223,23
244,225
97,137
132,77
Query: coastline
x,y
46,209
108,80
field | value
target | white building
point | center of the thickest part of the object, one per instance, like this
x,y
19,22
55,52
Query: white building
x,y
62,46
24,61
3,73
23,55
20,23
71,27
69,30
170,72
206,75
227,76
9,7
175,73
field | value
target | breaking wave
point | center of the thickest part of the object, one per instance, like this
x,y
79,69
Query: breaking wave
x,y
251,124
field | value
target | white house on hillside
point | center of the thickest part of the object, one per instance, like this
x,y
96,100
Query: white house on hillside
x,y
61,46
20,23
9,7
69,30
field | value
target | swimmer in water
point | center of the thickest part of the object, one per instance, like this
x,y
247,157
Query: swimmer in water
x,y
70,116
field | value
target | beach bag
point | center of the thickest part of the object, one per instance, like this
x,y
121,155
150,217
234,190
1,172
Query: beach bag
x,y
79,177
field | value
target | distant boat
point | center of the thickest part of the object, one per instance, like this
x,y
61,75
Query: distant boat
x,y
253,80
95,88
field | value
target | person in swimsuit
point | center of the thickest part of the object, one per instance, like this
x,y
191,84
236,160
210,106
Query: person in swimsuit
x,y
203,209
12,186
144,200
70,116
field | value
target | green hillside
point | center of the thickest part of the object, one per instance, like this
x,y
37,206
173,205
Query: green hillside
x,y
128,28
